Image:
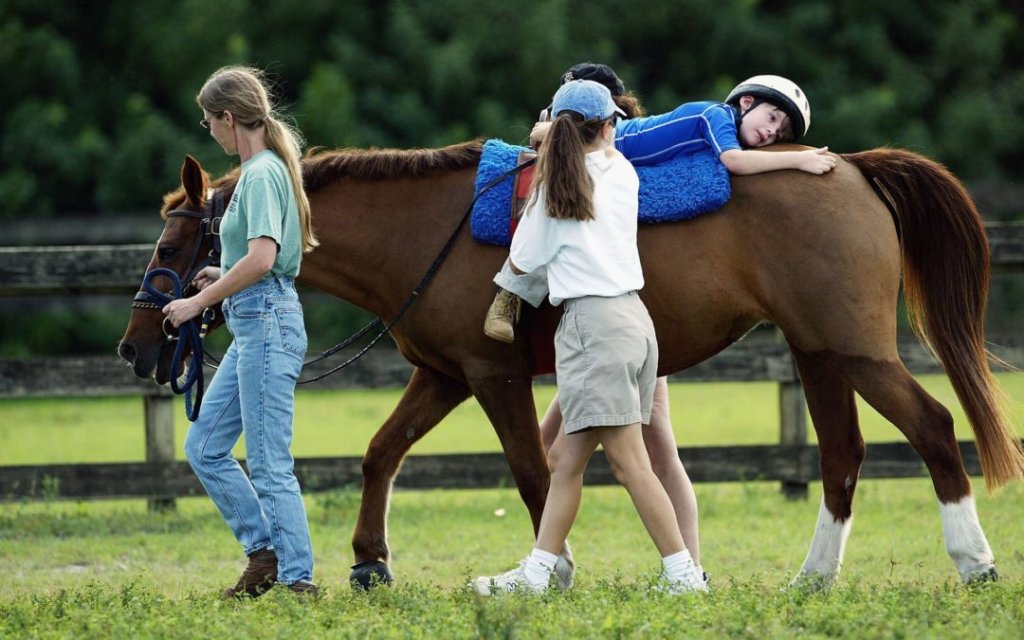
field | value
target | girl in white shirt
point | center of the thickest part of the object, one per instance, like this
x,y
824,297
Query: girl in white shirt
x,y
580,224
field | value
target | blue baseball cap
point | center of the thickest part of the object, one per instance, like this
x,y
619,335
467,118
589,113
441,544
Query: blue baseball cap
x,y
588,98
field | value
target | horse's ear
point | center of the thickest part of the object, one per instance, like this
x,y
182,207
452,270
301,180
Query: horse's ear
x,y
193,179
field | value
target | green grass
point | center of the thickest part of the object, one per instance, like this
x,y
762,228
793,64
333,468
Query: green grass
x,y
110,569
341,423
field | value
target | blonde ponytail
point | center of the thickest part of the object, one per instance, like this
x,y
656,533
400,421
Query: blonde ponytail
x,y
286,142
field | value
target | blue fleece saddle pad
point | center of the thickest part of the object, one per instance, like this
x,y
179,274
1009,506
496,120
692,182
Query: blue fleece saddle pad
x,y
679,189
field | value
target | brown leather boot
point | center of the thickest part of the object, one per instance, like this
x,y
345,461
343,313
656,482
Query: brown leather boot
x,y
305,589
259,576
502,317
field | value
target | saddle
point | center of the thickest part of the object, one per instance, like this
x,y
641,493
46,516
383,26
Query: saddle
x,y
682,188
521,188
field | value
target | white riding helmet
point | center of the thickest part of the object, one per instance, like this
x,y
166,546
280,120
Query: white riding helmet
x,y
782,93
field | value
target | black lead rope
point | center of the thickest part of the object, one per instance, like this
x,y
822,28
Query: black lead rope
x,y
424,281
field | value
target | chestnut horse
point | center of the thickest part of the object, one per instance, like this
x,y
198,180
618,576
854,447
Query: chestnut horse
x,y
819,256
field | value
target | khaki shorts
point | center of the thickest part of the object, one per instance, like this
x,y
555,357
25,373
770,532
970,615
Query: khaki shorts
x,y
606,359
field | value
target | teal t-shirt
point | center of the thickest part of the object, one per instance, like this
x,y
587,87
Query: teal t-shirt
x,y
263,204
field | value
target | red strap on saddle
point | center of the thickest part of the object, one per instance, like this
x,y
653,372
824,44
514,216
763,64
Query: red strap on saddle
x,y
521,189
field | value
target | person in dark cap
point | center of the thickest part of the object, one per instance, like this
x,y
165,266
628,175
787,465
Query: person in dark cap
x,y
603,74
597,72
658,435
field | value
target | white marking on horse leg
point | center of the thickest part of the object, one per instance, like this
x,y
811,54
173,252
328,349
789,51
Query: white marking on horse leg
x,y
965,541
825,556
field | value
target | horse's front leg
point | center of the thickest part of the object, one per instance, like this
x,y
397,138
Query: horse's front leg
x,y
428,398
508,403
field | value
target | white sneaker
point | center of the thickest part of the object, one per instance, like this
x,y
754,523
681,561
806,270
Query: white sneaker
x,y
565,568
693,582
508,582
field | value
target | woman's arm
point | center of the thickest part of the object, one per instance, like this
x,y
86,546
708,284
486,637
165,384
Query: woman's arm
x,y
749,161
252,268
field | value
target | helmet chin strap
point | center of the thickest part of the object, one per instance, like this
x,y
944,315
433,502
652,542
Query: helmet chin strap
x,y
743,114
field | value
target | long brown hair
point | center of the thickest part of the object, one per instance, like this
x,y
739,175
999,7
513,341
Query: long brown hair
x,y
630,103
242,91
561,168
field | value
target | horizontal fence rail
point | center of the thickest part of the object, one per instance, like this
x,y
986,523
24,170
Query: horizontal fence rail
x,y
170,480
45,271
26,271
386,368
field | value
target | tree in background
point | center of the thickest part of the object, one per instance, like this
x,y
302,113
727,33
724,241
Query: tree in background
x,y
99,106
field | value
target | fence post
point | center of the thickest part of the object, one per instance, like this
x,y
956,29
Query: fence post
x,y
159,440
793,429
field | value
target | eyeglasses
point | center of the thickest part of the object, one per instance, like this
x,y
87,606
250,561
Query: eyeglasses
x,y
205,122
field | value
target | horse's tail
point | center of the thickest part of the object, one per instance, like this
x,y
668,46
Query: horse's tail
x,y
945,280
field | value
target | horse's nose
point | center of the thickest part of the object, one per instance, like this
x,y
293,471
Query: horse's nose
x,y
127,352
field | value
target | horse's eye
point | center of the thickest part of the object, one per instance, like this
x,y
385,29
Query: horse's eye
x,y
166,254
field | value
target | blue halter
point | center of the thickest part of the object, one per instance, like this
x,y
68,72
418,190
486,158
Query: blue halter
x,y
148,297
188,332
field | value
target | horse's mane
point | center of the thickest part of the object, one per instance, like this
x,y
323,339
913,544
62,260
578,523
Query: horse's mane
x,y
321,167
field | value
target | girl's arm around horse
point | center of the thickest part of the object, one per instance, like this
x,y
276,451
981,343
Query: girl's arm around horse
x,y
742,162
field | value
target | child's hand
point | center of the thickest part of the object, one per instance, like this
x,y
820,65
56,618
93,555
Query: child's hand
x,y
537,135
816,161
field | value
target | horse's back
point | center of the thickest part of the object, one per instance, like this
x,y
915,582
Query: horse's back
x,y
816,255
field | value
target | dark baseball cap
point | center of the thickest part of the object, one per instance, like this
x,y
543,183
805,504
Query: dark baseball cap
x,y
600,73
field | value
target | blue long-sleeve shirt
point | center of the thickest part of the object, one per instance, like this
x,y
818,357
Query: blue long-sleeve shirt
x,y
690,127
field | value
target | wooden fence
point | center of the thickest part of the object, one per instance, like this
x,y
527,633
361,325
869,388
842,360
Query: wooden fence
x,y
85,270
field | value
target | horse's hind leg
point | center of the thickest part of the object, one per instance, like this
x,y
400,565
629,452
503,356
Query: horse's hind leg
x,y
427,399
888,387
841,450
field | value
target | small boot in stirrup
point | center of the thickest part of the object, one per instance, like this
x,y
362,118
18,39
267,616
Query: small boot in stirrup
x,y
502,316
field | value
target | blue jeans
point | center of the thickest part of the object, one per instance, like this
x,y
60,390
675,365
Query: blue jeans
x,y
253,392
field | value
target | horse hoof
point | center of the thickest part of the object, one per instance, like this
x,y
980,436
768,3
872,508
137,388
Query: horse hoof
x,y
988,574
369,574
810,583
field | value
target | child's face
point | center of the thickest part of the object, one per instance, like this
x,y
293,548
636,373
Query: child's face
x,y
763,125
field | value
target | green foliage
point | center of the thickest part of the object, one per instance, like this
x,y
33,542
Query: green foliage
x,y
91,326
100,109
100,99
77,328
